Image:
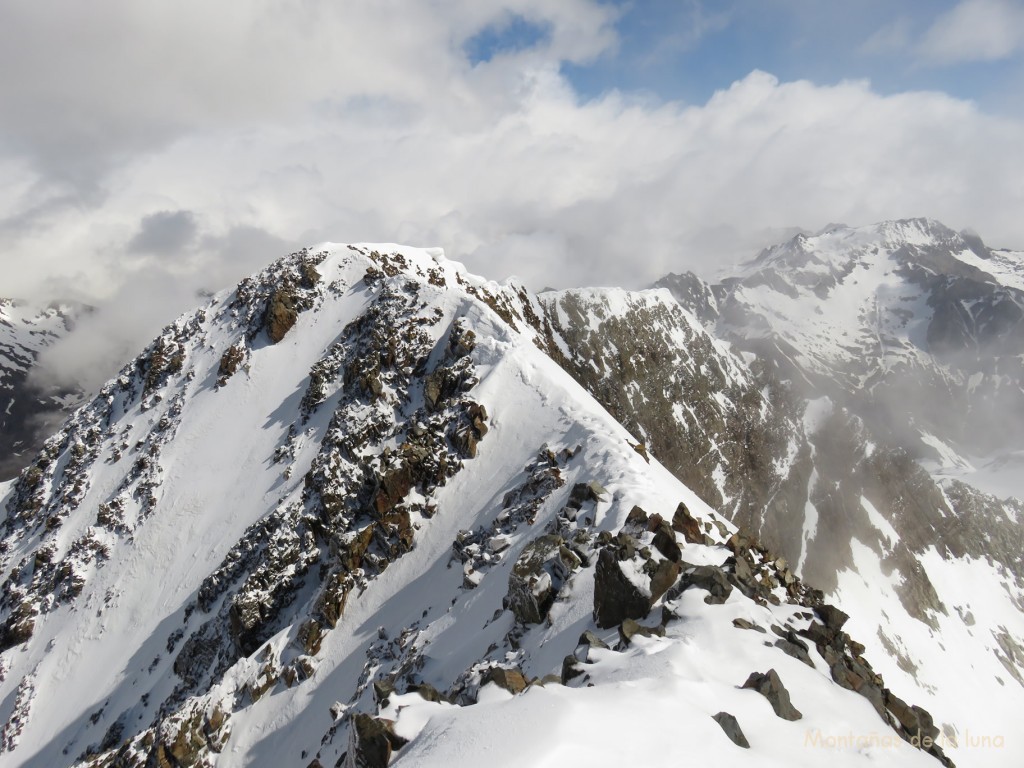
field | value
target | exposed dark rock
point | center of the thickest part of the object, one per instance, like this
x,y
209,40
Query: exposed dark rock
x,y
687,525
740,543
636,520
770,686
796,650
693,294
468,435
571,669
310,636
834,618
371,741
709,577
308,275
584,492
532,585
744,624
732,729
382,690
230,360
665,542
914,720
616,598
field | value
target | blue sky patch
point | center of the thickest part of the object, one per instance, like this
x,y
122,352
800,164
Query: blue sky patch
x,y
687,49
514,33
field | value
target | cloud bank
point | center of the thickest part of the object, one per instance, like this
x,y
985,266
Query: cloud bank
x,y
151,153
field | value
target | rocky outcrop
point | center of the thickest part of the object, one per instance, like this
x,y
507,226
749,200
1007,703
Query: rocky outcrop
x,y
371,742
770,686
536,577
619,589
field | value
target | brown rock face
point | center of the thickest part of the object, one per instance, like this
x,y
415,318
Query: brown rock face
x,y
511,680
281,313
687,525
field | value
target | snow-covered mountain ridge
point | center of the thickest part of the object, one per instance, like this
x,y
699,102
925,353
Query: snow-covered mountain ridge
x,y
353,502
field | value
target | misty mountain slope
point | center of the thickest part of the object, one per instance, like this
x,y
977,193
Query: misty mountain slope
x,y
918,327
28,413
349,487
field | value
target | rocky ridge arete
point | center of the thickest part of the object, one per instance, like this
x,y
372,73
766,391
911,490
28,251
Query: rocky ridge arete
x,y
355,494
888,353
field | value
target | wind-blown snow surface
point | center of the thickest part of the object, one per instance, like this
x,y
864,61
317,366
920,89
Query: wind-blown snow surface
x,y
150,489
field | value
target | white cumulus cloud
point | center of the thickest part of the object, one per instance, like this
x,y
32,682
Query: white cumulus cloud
x,y
144,148
975,30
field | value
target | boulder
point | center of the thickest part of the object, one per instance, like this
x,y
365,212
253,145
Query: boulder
x,y
637,518
433,388
797,650
511,680
571,669
352,548
732,729
427,692
310,636
664,576
616,598
393,487
740,543
687,525
665,542
382,690
583,492
916,722
230,361
770,686
832,617
709,577
744,624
